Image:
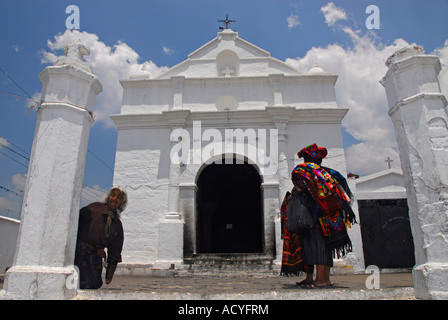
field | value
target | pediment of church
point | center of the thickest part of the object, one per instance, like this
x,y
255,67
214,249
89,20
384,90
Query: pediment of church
x,y
228,55
381,185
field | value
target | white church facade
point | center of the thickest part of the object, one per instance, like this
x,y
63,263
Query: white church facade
x,y
205,151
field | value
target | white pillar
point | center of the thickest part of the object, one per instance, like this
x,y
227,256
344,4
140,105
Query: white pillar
x,y
418,111
43,265
280,117
356,257
276,83
178,87
170,251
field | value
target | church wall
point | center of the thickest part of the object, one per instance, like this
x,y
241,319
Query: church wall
x,y
260,92
310,92
199,68
142,166
325,135
242,49
203,95
145,97
152,96
9,229
188,189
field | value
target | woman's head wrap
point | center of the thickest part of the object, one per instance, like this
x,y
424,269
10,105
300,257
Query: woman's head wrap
x,y
313,151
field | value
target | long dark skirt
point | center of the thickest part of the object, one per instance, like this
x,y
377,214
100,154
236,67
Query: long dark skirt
x,y
89,261
314,248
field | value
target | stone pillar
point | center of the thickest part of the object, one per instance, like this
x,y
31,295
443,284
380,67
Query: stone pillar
x,y
280,117
178,88
356,257
276,83
43,265
418,111
170,252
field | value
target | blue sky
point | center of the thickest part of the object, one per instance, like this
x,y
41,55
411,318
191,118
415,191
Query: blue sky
x,y
125,34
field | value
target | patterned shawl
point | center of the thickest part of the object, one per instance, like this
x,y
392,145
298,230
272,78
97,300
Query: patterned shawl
x,y
292,258
331,193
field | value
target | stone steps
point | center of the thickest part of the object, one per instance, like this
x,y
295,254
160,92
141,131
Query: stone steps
x,y
221,264
230,264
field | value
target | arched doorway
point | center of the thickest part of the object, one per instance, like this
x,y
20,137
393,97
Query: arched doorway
x,y
229,208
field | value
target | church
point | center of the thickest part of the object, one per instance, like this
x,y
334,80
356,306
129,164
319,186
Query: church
x,y
206,149
205,152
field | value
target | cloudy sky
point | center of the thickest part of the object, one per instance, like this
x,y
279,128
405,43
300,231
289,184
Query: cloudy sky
x,y
345,38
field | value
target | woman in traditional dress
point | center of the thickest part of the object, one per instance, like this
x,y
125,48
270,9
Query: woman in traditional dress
x,y
327,196
99,228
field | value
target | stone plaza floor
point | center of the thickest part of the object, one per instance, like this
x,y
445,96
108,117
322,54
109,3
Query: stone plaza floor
x,y
392,286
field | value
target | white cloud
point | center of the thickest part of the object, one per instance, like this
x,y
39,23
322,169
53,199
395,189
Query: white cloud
x,y
333,14
167,51
10,208
19,181
293,21
3,142
11,204
359,71
442,53
110,64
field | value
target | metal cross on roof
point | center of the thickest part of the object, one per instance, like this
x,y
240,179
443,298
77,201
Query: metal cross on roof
x,y
226,22
389,160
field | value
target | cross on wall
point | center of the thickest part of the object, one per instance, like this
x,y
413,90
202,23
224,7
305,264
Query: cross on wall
x,y
227,71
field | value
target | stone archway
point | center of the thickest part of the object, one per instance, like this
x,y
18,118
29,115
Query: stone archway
x,y
229,209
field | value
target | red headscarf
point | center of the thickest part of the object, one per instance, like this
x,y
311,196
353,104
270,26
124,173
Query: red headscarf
x,y
314,151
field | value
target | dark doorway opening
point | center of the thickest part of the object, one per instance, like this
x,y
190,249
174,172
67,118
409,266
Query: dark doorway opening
x,y
386,233
229,209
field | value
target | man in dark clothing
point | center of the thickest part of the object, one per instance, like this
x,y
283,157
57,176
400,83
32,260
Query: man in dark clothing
x,y
99,228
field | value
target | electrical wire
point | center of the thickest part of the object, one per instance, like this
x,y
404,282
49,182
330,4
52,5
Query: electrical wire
x,y
8,190
13,159
9,141
18,85
99,159
6,147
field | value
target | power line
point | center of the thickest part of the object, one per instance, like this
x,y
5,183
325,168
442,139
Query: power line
x,y
18,85
9,141
13,159
99,159
16,152
4,188
17,95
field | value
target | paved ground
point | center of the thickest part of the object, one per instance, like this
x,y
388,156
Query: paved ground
x,y
393,286
219,296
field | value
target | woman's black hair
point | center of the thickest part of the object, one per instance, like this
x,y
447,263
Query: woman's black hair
x,y
308,158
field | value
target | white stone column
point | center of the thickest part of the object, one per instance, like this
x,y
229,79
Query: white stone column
x,y
188,208
178,88
276,83
418,111
43,265
280,117
170,252
356,257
